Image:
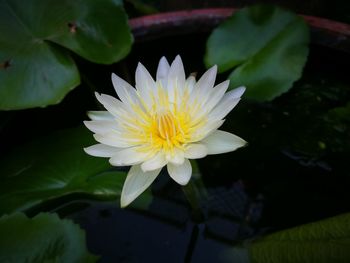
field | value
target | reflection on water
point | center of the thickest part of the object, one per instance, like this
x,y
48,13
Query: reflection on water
x,y
164,231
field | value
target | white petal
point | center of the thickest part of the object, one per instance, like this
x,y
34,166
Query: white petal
x,y
207,129
113,105
136,183
125,91
227,103
216,95
113,139
180,173
176,157
128,156
156,162
205,84
222,142
100,115
145,85
101,150
195,151
190,83
101,126
162,71
176,79
238,92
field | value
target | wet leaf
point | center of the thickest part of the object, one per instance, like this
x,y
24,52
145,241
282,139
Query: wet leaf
x,y
339,114
143,7
267,44
36,68
54,167
43,238
324,241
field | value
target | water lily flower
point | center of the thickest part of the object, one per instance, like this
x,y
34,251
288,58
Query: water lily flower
x,y
163,122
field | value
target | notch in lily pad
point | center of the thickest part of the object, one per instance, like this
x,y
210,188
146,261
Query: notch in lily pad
x,y
266,46
5,64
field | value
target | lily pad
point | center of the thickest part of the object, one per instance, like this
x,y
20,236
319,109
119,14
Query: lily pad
x,y
324,241
54,167
44,238
267,44
36,68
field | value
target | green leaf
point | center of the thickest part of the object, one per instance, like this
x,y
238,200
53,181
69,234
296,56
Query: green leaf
x,y
53,167
143,7
339,114
267,44
36,68
324,241
44,238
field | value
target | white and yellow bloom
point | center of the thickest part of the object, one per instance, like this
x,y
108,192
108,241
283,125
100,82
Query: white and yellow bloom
x,y
162,123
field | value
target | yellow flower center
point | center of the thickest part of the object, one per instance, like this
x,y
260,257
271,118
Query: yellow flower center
x,y
167,130
167,126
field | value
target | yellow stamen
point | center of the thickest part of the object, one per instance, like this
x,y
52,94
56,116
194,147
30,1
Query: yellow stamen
x,y
166,126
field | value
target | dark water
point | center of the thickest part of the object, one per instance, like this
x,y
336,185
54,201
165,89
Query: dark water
x,y
293,171
166,231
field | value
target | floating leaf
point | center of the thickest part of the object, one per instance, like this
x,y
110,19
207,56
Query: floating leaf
x,y
36,68
340,114
267,44
44,238
53,167
324,241
143,7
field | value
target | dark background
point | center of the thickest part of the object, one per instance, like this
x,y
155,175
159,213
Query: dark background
x,y
336,9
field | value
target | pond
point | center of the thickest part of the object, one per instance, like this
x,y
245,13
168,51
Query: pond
x,y
292,172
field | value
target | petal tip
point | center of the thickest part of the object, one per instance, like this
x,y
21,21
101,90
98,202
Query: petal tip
x,y
124,202
87,150
113,162
87,125
178,57
184,182
178,62
240,90
139,66
114,78
181,174
163,60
